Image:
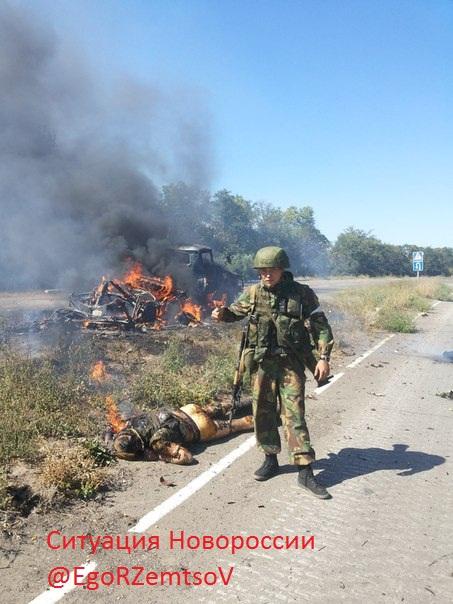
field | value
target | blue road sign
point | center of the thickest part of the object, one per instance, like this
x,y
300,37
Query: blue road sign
x,y
417,256
417,266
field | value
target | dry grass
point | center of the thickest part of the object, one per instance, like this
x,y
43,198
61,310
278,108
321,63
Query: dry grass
x,y
434,288
70,469
5,499
393,307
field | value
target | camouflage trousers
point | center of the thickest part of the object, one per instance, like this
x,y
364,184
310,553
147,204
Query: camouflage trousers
x,y
281,377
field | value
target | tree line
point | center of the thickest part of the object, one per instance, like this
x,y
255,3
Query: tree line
x,y
236,227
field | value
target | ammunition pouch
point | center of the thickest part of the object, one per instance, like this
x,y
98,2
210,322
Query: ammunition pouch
x,y
277,327
283,332
294,334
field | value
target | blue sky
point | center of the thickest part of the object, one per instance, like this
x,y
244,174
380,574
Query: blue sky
x,y
344,105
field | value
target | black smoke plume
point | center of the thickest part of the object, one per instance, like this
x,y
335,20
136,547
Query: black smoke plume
x,y
78,161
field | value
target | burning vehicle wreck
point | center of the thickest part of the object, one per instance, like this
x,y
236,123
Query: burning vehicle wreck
x,y
138,301
135,301
211,279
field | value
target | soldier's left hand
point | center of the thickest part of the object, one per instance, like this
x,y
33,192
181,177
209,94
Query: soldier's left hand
x,y
322,371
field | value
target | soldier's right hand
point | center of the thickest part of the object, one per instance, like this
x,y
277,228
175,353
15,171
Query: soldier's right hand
x,y
216,313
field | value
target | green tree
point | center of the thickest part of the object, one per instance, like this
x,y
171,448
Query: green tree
x,y
438,261
357,252
232,224
307,246
295,230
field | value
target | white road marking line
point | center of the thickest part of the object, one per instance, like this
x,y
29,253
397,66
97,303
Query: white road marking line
x,y
53,594
320,389
432,306
366,354
194,485
197,483
370,351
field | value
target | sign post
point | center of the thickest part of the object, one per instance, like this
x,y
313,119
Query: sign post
x,y
417,262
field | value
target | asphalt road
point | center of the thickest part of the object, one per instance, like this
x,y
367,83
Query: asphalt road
x,y
51,299
384,443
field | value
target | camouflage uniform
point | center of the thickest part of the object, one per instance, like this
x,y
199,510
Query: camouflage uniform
x,y
279,349
161,426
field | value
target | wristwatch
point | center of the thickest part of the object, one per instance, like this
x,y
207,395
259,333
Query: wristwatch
x,y
324,357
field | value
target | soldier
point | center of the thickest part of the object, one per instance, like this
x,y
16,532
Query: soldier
x,y
161,433
278,350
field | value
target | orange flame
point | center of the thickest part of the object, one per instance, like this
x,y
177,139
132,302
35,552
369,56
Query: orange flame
x,y
134,275
193,309
162,290
212,303
161,287
98,372
114,418
168,286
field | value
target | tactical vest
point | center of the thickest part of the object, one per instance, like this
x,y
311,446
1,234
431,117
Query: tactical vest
x,y
179,426
277,323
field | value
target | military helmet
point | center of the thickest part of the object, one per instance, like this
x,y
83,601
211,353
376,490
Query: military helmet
x,y
271,257
128,444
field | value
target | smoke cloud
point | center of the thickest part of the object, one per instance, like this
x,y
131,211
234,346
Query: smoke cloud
x,y
79,158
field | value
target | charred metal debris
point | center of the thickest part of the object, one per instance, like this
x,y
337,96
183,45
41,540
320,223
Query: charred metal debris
x,y
146,303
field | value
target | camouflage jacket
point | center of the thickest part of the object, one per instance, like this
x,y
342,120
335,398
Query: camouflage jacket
x,y
161,426
282,318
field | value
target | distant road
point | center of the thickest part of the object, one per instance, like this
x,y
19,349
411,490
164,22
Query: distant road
x,y
45,300
327,288
33,300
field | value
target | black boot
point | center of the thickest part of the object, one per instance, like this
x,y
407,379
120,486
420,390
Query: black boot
x,y
307,481
268,469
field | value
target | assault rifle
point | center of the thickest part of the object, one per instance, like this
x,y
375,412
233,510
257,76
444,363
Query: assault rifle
x,y
239,369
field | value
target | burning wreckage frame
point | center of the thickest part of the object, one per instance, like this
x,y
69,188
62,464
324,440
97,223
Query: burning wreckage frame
x,y
135,302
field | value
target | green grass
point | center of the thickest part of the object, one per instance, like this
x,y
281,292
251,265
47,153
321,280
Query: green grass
x,y
45,398
393,307
395,320
189,371
52,412
37,400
